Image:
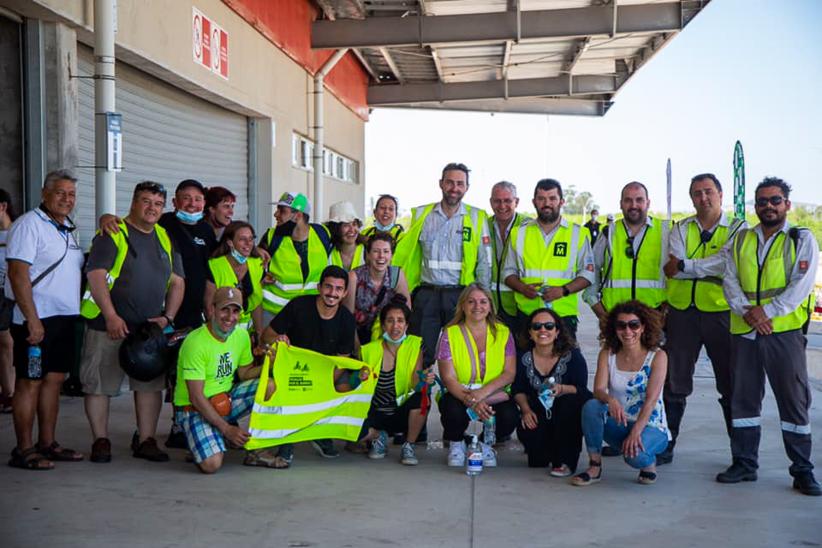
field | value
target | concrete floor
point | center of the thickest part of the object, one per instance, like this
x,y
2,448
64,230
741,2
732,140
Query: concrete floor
x,y
356,502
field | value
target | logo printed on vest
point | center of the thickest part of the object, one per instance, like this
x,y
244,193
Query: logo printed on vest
x,y
224,368
296,380
560,249
466,234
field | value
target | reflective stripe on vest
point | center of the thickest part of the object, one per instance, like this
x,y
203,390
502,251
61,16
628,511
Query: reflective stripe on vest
x,y
224,276
408,254
405,364
762,283
503,295
461,355
285,267
357,260
640,278
704,293
305,405
89,308
554,265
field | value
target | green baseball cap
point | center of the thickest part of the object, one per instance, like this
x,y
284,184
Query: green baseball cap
x,y
297,202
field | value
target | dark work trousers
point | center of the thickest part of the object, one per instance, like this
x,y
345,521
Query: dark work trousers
x,y
781,357
687,332
558,440
433,308
454,418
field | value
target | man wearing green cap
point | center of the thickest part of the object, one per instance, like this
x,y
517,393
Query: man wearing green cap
x,y
299,252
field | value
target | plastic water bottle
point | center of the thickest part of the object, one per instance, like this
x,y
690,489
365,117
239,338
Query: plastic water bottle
x,y
546,395
489,431
548,304
35,368
473,466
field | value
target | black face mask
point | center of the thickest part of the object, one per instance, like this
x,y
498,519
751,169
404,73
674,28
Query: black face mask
x,y
285,229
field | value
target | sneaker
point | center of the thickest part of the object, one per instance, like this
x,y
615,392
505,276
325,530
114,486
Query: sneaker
x,y
325,448
379,446
456,454
101,450
409,456
489,456
560,471
176,438
150,451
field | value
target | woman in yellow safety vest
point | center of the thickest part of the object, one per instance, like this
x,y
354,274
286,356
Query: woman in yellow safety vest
x,y
477,362
344,226
397,403
237,263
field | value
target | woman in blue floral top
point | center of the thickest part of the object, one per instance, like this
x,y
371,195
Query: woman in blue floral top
x,y
627,409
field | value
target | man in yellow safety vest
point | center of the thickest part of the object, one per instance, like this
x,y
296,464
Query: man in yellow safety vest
x,y
504,202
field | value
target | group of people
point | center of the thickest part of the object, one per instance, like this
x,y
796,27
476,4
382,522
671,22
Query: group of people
x,y
486,308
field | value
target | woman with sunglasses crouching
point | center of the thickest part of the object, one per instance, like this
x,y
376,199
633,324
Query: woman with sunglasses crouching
x,y
550,389
627,408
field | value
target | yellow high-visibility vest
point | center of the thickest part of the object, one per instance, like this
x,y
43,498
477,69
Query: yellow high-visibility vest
x,y
503,295
555,265
224,276
461,355
395,231
305,405
357,260
406,361
89,308
703,293
761,283
640,278
408,255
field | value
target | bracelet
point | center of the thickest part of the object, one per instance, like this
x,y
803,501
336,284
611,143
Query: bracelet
x,y
169,320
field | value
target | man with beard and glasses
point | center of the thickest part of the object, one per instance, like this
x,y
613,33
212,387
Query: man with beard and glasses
x,y
446,248
299,252
549,259
769,282
629,256
504,202
698,312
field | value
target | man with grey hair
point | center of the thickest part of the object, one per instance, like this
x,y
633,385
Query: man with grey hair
x,y
44,273
504,202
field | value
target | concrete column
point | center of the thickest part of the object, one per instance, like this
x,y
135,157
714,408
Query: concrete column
x,y
61,104
260,172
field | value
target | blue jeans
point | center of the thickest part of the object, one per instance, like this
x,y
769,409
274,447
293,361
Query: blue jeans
x,y
598,425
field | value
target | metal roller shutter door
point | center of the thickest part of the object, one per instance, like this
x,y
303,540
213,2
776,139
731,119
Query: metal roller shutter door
x,y
168,135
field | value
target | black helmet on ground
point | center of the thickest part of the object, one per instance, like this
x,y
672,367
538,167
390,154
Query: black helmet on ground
x,y
144,353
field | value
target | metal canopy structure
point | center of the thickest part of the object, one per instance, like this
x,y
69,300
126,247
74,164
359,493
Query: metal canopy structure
x,y
530,56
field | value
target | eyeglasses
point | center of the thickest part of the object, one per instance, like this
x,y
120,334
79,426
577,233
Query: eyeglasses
x,y
536,326
629,249
633,325
150,186
773,200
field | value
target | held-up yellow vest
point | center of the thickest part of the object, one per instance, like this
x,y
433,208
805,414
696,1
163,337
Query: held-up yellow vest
x,y
461,354
554,266
762,284
640,278
407,355
408,254
703,293
503,295
89,308
305,405
288,274
224,276
357,260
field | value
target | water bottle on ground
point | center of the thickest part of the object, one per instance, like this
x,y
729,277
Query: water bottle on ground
x,y
35,368
489,431
546,395
473,466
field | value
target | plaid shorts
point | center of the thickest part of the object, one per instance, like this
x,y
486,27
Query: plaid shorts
x,y
204,440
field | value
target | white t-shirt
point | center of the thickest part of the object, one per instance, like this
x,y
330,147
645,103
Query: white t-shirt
x,y
34,239
3,237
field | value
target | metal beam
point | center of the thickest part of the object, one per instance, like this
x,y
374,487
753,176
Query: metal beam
x,y
382,95
494,27
391,63
579,47
569,107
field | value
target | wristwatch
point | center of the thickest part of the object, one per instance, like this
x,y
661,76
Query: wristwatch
x,y
565,291
681,265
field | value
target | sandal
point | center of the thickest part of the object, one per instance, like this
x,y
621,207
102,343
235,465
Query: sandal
x,y
266,459
646,478
57,453
584,479
29,459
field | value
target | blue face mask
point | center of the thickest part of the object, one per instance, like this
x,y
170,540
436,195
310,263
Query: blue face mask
x,y
239,257
383,228
215,325
388,338
189,218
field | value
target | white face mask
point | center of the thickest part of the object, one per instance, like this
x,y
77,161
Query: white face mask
x,y
388,338
215,325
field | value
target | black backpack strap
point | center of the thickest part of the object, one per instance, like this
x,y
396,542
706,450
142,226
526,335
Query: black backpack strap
x,y
273,242
324,236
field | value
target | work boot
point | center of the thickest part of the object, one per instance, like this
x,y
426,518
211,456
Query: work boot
x,y
807,484
736,473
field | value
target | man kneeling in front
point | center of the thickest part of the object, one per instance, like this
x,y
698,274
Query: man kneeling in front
x,y
207,402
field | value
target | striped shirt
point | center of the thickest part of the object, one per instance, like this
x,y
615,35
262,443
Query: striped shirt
x,y
385,395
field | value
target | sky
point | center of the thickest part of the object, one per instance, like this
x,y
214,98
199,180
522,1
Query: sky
x,y
742,69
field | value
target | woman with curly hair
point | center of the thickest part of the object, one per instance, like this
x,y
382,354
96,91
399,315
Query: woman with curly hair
x,y
550,389
627,407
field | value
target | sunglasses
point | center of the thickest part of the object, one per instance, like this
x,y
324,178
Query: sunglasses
x,y
536,326
773,200
148,186
633,325
629,249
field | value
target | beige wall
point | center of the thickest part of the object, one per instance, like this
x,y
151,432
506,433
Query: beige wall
x,y
155,36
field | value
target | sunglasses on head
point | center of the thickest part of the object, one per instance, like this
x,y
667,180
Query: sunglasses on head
x,y
536,326
148,186
633,325
773,200
629,249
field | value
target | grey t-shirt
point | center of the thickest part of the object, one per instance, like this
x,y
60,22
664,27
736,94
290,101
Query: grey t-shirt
x,y
139,292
